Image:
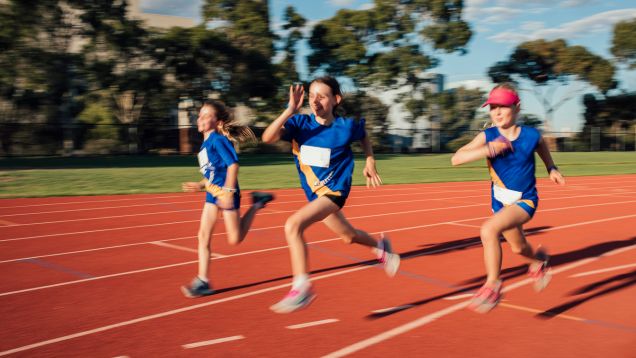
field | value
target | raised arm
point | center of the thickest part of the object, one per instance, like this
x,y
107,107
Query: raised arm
x,y
472,151
275,130
478,148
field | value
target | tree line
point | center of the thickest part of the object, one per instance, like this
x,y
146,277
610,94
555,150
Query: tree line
x,y
70,62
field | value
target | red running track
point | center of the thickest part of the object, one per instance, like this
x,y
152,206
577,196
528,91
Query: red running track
x,y
100,276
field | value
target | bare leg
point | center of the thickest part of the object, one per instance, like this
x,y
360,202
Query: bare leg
x,y
208,219
237,227
349,235
510,217
295,226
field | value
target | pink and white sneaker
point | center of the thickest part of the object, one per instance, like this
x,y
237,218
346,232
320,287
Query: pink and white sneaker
x,y
390,260
486,298
295,300
540,273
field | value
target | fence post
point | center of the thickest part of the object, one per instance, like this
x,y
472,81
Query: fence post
x,y
132,139
595,133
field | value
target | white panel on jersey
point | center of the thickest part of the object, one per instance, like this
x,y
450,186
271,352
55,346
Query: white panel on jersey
x,y
203,160
506,196
315,156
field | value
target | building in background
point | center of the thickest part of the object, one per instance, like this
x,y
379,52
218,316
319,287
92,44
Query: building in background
x,y
407,134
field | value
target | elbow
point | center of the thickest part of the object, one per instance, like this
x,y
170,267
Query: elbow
x,y
267,138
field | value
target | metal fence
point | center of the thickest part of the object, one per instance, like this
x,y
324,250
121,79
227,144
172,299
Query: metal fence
x,y
107,139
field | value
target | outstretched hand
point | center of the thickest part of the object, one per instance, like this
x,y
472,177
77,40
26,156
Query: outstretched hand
x,y
296,97
190,187
371,174
556,177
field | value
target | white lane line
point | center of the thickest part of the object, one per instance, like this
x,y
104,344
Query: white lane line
x,y
248,294
609,269
311,324
278,202
462,224
269,212
309,243
393,309
211,342
170,313
171,246
434,316
93,201
103,208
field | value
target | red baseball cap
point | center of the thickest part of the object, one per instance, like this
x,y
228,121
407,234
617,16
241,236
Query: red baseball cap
x,y
502,96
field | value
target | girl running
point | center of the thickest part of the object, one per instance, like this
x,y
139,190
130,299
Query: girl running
x,y
321,147
509,151
218,163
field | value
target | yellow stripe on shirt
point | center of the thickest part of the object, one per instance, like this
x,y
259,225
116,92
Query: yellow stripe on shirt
x,y
310,176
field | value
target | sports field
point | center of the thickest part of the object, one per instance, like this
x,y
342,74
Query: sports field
x,y
38,177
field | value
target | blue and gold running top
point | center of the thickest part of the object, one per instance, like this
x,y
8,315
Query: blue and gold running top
x,y
512,173
216,155
323,154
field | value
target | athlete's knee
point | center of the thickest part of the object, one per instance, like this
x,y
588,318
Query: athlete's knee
x,y
519,248
204,236
233,239
293,226
489,232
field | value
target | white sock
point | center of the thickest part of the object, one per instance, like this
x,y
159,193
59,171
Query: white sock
x,y
300,281
203,279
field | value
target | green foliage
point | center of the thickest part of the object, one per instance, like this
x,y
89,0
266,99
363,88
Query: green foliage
x,y
359,105
384,45
543,62
624,42
247,23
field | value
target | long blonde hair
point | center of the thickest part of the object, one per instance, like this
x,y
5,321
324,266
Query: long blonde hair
x,y
227,125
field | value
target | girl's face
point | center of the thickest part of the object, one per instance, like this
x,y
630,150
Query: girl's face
x,y
321,100
207,120
503,116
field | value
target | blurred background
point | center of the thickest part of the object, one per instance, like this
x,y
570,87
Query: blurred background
x,y
101,77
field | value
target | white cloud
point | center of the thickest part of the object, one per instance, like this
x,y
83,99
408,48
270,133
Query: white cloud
x,y
341,3
532,26
593,24
482,84
367,6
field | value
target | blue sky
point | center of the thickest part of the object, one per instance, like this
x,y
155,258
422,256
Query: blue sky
x,y
498,26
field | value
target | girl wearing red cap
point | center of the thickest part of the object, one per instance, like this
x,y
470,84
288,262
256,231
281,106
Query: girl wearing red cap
x,y
509,152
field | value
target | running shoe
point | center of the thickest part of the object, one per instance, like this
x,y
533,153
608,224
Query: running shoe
x,y
386,256
540,273
295,300
261,198
486,298
197,288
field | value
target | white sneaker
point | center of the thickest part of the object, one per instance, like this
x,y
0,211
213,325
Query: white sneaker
x,y
294,300
390,260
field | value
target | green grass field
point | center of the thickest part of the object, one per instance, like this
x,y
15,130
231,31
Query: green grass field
x,y
37,177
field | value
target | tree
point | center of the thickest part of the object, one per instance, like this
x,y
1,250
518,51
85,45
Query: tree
x,y
294,22
552,64
624,42
530,120
245,22
386,45
360,105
